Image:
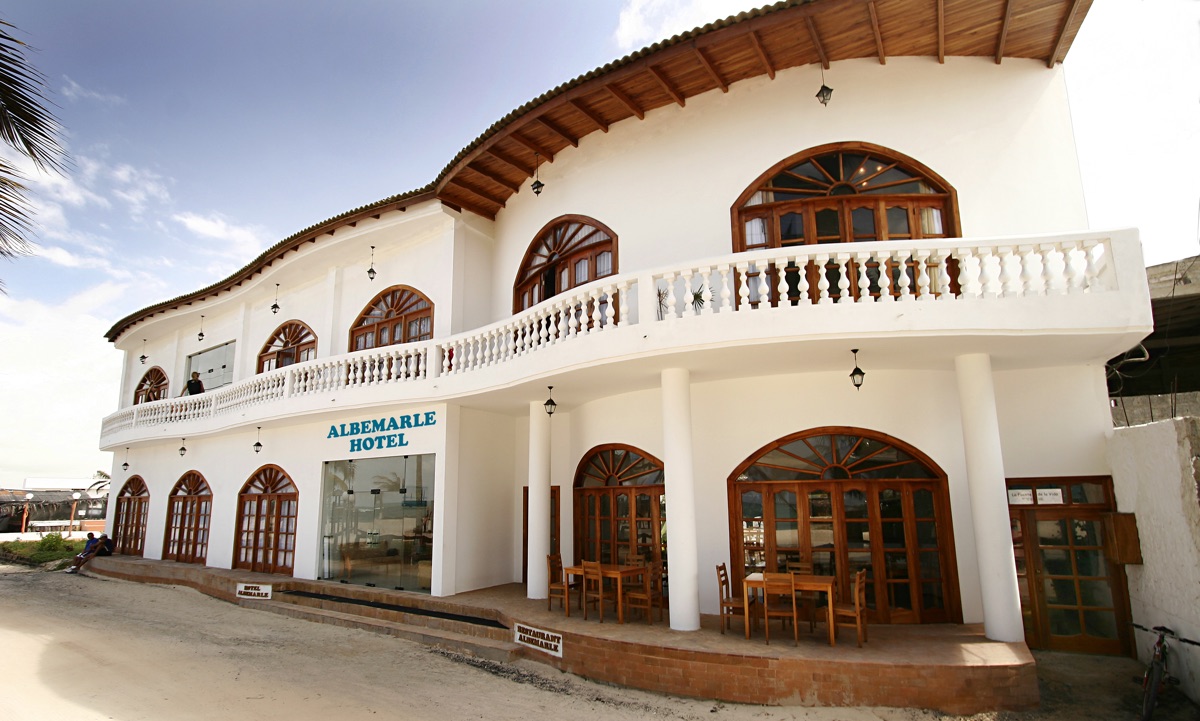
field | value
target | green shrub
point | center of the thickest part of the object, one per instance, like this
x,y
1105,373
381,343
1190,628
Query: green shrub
x,y
51,548
51,542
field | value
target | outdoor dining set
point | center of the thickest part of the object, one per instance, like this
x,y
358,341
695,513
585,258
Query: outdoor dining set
x,y
790,596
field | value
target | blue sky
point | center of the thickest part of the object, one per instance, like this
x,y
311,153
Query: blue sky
x,y
202,133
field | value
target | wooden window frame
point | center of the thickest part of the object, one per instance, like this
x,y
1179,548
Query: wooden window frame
x,y
293,337
129,525
268,507
542,257
839,553
588,500
397,307
153,386
946,199
189,515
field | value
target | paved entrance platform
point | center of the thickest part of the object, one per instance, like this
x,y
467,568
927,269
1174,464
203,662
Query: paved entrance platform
x,y
948,667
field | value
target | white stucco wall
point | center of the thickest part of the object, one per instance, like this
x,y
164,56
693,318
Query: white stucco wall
x,y
1156,476
485,533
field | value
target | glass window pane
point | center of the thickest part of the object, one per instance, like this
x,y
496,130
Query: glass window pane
x,y
791,228
1052,533
893,534
855,502
927,534
900,595
1089,563
1060,591
581,271
785,504
863,220
1102,624
896,565
931,222
923,503
891,504
828,225
897,223
1087,493
1095,593
931,566
604,264
931,595
756,233
1086,533
819,504
1056,561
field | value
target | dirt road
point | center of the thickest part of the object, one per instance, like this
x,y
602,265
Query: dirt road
x,y
84,648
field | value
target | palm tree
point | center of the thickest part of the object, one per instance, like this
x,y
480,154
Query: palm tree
x,y
27,127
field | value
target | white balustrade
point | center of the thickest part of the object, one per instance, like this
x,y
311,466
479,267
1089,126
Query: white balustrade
x,y
785,280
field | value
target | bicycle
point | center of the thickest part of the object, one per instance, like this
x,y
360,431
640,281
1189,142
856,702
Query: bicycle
x,y
1156,676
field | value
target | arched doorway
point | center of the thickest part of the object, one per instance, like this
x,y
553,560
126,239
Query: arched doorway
x,y
569,251
620,507
844,499
133,502
266,523
189,509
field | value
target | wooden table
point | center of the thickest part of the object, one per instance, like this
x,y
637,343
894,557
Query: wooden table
x,y
614,571
803,583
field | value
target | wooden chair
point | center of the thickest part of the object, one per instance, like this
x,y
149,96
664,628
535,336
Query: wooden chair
x,y
779,601
730,604
854,611
593,588
649,594
556,584
807,599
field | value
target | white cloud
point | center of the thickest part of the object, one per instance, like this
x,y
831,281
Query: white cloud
x,y
235,242
74,91
58,375
139,188
644,22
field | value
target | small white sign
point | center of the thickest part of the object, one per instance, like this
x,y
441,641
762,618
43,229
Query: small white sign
x,y
1020,496
1049,496
261,591
547,641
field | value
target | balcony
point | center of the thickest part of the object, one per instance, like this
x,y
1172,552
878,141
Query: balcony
x,y
1028,301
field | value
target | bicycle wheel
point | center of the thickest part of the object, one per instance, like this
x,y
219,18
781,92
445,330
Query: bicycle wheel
x,y
1150,685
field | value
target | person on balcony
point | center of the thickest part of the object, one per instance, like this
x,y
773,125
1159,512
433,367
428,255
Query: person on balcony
x,y
194,387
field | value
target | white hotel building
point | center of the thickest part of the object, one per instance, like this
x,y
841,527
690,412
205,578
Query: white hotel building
x,y
708,246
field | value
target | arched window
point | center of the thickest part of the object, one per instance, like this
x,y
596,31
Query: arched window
x,y
842,193
399,314
292,342
570,251
266,523
189,509
152,386
129,529
842,499
620,507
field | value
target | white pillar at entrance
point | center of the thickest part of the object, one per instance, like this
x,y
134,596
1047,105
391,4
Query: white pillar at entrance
x,y
539,500
682,545
989,499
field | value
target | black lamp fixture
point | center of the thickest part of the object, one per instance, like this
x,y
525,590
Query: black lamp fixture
x,y
258,441
125,465
143,356
200,335
550,405
275,305
371,270
182,447
826,92
537,184
857,376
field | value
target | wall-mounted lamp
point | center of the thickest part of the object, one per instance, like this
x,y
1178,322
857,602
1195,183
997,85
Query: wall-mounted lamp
x,y
537,184
143,356
183,447
125,465
550,405
200,335
371,270
857,376
826,92
275,305
258,441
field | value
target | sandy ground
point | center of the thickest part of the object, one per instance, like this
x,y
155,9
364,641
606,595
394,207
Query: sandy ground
x,y
78,648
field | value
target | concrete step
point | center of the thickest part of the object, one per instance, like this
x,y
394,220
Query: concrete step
x,y
489,648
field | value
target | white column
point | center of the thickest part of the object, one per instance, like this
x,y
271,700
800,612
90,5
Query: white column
x,y
989,499
539,500
682,545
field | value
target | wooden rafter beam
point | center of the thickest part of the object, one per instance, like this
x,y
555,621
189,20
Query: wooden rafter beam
x,y
712,71
522,140
460,205
1008,10
1055,55
761,51
585,112
666,85
625,100
941,31
475,190
510,161
494,177
875,29
574,142
816,40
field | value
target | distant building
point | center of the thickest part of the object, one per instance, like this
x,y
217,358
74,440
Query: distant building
x,y
695,253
